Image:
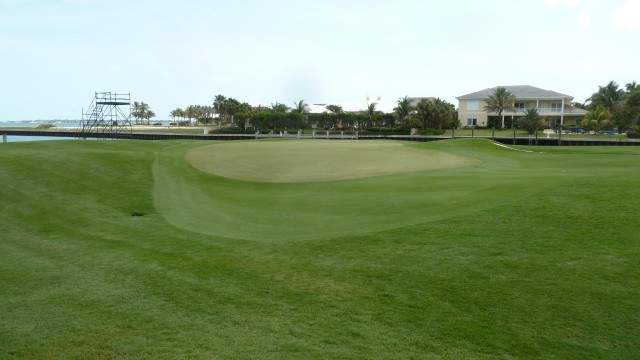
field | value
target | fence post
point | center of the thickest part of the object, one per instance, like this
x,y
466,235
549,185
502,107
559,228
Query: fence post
x,y
560,136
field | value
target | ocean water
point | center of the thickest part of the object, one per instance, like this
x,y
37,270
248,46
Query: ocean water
x,y
33,124
68,124
20,138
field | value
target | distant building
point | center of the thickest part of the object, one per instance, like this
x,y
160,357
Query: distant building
x,y
554,107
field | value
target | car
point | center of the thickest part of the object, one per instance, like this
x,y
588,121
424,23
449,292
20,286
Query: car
x,y
578,131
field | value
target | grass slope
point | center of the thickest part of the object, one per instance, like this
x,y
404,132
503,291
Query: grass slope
x,y
542,263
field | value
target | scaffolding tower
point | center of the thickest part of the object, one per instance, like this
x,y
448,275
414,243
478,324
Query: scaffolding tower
x,y
108,116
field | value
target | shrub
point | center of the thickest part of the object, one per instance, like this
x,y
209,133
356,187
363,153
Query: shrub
x,y
382,130
45,126
277,131
231,130
432,132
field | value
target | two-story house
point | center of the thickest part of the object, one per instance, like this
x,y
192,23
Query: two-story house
x,y
554,107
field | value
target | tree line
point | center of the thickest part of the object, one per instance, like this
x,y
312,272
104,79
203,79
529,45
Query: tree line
x,y
141,112
229,112
613,107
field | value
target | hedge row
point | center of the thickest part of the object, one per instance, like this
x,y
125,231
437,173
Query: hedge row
x,y
269,120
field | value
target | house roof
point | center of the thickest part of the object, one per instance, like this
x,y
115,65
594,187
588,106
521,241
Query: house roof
x,y
519,91
572,110
352,106
415,100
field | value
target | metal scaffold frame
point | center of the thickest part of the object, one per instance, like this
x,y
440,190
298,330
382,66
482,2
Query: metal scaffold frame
x,y
108,116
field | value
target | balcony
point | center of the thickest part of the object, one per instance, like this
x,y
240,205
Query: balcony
x,y
541,110
545,111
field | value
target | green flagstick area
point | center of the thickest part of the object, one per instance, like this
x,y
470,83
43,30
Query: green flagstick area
x,y
277,249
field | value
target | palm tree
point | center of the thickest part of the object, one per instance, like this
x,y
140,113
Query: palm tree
x,y
138,110
190,112
424,113
404,109
220,104
501,100
232,107
141,111
632,86
371,111
597,119
176,113
300,107
445,113
631,109
633,99
531,121
610,97
279,108
334,109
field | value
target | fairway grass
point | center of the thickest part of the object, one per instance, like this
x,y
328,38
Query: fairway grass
x,y
125,249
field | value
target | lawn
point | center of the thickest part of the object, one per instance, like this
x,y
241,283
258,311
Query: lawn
x,y
274,249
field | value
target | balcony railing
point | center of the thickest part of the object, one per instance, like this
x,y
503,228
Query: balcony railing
x,y
541,110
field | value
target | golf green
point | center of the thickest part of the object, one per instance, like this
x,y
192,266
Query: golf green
x,y
355,202
318,160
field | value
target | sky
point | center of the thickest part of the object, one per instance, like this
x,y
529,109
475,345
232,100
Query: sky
x,y
54,54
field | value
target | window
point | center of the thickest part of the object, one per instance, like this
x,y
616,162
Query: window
x,y
473,105
472,121
556,107
518,105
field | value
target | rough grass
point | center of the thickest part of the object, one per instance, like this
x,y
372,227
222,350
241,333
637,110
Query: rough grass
x,y
541,263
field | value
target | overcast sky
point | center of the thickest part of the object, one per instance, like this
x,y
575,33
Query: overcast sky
x,y
54,54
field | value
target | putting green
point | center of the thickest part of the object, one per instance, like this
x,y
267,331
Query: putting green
x,y
285,192
318,160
